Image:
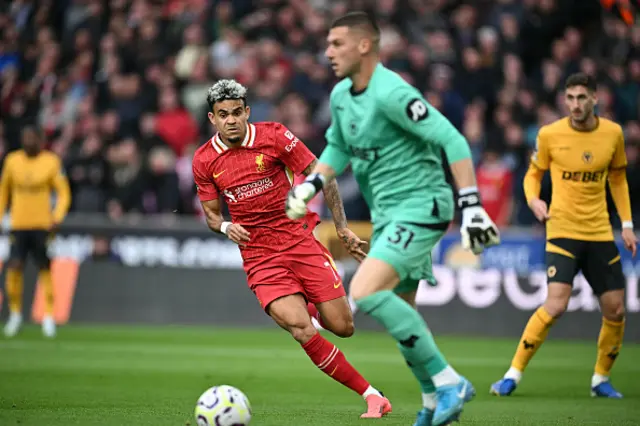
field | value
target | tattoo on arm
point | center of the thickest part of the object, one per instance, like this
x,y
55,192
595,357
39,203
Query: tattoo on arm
x,y
332,198
334,202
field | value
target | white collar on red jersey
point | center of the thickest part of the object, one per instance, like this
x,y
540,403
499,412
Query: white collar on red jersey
x,y
248,141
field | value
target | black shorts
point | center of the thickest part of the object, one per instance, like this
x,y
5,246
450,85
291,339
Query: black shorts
x,y
599,262
34,242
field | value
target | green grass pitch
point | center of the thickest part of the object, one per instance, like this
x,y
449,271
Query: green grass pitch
x,y
116,376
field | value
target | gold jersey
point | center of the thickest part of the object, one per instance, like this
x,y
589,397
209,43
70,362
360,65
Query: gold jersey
x,y
580,163
27,182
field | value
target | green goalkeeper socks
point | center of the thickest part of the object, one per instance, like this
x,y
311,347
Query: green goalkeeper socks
x,y
414,339
420,372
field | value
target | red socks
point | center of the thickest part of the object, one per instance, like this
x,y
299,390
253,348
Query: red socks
x,y
332,362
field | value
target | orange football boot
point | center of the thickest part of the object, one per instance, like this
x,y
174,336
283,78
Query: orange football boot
x,y
377,406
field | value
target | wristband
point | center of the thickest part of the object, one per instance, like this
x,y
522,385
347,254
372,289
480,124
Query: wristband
x,y
468,197
224,226
627,225
317,180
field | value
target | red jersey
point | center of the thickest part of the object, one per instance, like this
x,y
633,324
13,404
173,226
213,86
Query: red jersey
x,y
495,187
254,180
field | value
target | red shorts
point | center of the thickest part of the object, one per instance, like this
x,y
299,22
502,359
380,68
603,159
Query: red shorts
x,y
306,268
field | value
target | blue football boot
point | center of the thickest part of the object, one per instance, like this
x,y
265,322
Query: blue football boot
x,y
451,400
503,387
605,390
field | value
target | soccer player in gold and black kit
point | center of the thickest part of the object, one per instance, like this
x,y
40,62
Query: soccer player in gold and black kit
x,y
582,152
28,177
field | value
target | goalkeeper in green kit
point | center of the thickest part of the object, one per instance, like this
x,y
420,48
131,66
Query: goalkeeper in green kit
x,y
393,139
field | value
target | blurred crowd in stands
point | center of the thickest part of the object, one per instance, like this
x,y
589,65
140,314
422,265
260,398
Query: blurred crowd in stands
x,y
119,86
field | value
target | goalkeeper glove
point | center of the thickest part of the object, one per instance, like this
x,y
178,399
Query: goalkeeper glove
x,y
300,195
478,230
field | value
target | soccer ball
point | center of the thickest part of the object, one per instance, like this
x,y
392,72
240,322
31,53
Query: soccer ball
x,y
223,406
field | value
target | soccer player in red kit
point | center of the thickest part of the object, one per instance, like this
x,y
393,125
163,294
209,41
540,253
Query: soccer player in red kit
x,y
252,166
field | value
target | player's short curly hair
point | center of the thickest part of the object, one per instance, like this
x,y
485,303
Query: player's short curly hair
x,y
224,90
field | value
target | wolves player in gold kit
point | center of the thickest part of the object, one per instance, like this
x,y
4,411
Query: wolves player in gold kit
x,y
582,152
29,176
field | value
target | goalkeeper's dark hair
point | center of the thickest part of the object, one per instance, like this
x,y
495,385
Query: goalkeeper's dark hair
x,y
224,90
581,79
361,21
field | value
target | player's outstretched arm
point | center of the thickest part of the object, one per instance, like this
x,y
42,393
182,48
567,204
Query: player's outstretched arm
x,y
216,222
332,197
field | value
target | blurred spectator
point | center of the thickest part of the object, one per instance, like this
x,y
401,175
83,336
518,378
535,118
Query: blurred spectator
x,y
174,124
163,181
88,175
127,180
495,185
119,87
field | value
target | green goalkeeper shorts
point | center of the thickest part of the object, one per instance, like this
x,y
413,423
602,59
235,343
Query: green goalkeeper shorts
x,y
407,248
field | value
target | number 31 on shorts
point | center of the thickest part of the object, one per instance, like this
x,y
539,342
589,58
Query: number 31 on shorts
x,y
402,236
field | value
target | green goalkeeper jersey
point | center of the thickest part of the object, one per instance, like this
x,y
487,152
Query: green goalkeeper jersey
x,y
394,141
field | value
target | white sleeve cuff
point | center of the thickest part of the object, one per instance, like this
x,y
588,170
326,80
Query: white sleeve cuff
x,y
627,225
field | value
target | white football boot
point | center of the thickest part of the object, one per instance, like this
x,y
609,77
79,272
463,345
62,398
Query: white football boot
x,y
49,327
13,324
